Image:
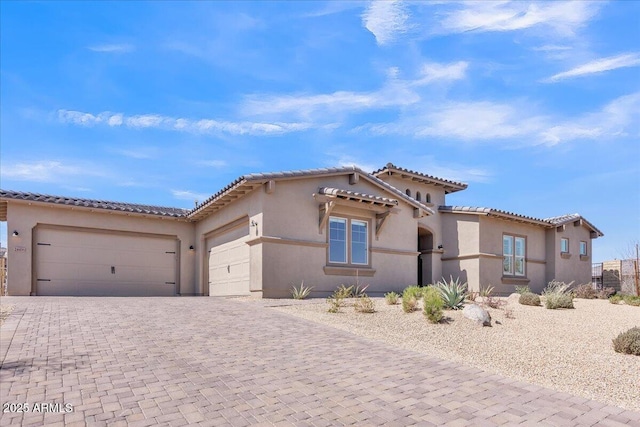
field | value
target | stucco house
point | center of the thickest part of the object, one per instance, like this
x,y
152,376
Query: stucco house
x,y
264,233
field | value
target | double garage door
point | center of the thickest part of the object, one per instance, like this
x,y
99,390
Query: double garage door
x,y
75,262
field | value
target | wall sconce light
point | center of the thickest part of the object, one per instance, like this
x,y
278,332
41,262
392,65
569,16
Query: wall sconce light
x,y
440,247
253,223
191,248
15,233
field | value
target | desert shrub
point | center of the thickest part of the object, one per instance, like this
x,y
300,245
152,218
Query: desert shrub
x,y
364,304
628,342
605,293
409,302
432,304
529,298
301,292
615,299
632,300
413,290
523,289
359,290
486,291
336,300
472,295
391,298
557,295
453,293
584,291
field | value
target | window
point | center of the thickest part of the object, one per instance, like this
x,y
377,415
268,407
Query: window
x,y
564,245
408,192
418,196
357,239
338,240
513,255
428,199
583,248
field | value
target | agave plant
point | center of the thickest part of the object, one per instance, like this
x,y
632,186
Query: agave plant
x,y
453,293
301,292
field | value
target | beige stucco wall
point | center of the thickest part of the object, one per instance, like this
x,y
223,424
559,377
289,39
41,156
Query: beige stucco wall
x,y
291,214
571,267
24,217
491,232
461,243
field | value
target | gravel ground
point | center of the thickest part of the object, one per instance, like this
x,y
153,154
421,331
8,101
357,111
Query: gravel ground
x,y
566,350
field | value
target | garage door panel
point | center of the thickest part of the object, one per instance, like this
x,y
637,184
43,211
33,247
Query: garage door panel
x,y
228,258
72,262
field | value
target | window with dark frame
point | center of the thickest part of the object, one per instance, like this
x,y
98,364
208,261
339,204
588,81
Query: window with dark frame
x,y
513,255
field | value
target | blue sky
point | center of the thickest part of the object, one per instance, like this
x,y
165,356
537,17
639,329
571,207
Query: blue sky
x,y
535,105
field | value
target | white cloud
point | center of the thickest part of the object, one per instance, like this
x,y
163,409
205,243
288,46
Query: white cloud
x,y
112,48
517,122
599,66
564,17
620,117
46,171
189,195
217,164
393,93
386,19
551,48
155,121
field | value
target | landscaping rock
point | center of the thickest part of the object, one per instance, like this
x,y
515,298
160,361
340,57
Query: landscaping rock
x,y
477,314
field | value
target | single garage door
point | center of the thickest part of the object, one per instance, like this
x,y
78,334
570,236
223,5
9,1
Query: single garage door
x,y
229,262
72,262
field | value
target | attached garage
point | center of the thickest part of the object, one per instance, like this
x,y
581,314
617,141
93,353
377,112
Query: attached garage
x,y
86,262
228,259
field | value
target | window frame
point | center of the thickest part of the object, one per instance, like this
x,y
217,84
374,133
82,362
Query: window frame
x,y
349,241
562,240
586,248
513,257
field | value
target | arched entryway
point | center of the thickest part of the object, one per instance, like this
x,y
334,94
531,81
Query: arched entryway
x,y
425,258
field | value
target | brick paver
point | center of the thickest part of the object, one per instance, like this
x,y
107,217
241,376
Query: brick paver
x,y
210,362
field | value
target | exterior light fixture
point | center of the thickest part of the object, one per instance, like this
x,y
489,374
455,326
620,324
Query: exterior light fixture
x,y
191,248
253,223
15,233
440,247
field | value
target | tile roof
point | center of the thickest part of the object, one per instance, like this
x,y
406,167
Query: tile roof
x,y
494,212
564,219
546,222
450,186
95,204
249,182
353,194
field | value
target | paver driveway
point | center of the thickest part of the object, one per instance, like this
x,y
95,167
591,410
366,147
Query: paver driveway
x,y
207,361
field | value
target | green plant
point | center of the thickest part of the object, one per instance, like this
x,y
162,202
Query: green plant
x,y
486,291
336,300
557,295
605,293
529,298
615,299
410,297
301,292
632,300
414,290
628,342
391,298
364,304
359,290
523,289
432,304
472,295
453,293
584,291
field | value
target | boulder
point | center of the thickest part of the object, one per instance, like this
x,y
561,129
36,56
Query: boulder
x,y
477,314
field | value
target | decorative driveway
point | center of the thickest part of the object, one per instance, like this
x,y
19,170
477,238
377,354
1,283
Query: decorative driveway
x,y
207,361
